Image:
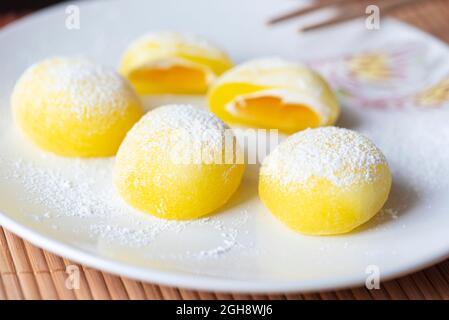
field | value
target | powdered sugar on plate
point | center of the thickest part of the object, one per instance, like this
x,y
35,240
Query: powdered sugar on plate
x,y
83,191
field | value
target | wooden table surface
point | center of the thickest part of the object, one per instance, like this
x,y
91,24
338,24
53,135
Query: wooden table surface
x,y
27,272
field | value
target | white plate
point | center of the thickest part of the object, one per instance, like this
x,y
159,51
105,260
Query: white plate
x,y
69,206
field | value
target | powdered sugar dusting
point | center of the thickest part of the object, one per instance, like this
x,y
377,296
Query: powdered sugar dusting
x,y
80,85
170,42
180,128
342,156
275,72
182,116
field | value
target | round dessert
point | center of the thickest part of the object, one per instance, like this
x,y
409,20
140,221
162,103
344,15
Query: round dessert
x,y
169,62
274,94
178,162
75,108
325,181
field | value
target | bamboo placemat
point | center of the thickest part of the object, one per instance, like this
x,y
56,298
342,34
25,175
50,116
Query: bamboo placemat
x,y
27,272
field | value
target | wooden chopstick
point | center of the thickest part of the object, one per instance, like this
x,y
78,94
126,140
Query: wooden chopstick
x,y
349,9
385,8
308,9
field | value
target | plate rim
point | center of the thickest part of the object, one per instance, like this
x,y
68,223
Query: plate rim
x,y
201,282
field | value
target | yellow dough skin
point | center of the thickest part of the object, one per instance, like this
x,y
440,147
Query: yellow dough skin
x,y
75,108
325,209
148,178
319,206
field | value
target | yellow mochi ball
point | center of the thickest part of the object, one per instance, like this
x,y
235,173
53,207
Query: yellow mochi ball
x,y
178,162
170,62
325,181
73,107
273,93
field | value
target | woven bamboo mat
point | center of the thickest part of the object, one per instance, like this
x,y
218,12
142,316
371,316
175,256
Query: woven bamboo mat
x,y
27,272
